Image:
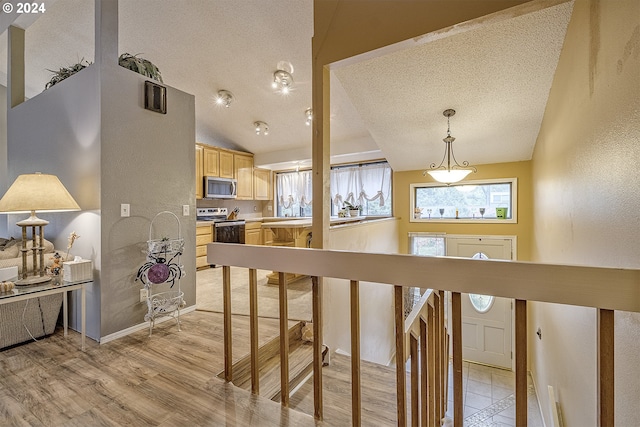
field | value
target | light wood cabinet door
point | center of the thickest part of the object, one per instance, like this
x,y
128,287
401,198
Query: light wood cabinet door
x,y
253,233
262,184
211,162
199,171
226,164
204,235
244,174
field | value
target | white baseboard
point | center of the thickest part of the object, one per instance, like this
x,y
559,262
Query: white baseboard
x,y
145,325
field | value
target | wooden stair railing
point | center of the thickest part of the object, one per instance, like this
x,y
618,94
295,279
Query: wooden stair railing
x,y
428,337
424,344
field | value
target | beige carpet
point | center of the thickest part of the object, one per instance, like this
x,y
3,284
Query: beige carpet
x,y
209,294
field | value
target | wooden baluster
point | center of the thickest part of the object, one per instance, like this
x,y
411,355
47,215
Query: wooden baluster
x,y
253,330
521,362
356,402
226,308
606,401
415,394
444,357
401,381
456,323
437,359
432,347
284,340
424,372
316,290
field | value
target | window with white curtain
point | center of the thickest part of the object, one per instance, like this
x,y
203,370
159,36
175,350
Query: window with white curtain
x,y
294,193
367,185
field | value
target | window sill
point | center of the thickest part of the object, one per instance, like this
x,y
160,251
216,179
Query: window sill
x,y
467,220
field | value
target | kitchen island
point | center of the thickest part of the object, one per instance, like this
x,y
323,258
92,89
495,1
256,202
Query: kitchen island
x,y
297,233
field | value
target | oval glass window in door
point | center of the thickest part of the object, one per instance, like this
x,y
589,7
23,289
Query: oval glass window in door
x,y
481,303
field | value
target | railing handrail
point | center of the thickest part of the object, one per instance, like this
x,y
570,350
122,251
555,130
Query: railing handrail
x,y
598,287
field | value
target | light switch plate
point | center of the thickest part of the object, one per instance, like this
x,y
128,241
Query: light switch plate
x,y
125,210
185,210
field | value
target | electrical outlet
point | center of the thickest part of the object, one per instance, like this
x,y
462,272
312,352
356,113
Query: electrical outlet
x,y
143,295
269,208
125,210
185,210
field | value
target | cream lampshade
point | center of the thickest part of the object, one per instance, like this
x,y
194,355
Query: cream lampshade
x,y
31,193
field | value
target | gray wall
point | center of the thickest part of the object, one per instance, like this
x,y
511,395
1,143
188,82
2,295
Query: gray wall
x,y
147,161
93,133
58,132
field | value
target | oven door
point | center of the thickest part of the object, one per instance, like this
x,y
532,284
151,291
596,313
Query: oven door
x,y
229,232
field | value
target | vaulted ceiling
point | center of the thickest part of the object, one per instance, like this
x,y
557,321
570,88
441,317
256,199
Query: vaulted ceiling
x,y
497,77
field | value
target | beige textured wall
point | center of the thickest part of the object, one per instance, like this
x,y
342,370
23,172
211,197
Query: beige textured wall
x,y
520,170
376,300
587,203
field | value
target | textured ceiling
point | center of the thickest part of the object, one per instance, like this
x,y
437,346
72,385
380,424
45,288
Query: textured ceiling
x,y
497,76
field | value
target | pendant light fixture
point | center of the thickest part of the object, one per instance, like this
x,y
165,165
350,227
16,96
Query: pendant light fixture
x,y
449,173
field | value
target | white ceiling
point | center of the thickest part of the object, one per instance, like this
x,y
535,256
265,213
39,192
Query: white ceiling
x,y
496,76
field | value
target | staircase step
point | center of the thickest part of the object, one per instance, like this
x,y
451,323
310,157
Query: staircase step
x,y
300,364
378,391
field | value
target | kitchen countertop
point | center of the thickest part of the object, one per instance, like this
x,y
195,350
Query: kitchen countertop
x,y
306,222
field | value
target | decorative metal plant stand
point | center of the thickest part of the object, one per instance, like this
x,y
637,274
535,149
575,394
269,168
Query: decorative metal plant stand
x,y
163,267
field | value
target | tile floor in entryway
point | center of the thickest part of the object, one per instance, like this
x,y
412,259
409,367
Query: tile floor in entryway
x,y
489,399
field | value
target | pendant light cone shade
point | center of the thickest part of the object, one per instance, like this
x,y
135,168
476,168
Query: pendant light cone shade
x,y
37,192
450,172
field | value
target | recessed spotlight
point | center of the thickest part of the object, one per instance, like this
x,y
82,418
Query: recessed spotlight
x,y
261,128
309,116
224,98
282,81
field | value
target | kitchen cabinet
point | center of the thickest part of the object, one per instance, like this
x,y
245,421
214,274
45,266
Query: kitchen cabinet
x,y
293,233
226,169
262,184
253,233
199,171
243,165
211,161
204,235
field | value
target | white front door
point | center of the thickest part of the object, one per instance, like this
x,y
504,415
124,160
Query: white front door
x,y
486,320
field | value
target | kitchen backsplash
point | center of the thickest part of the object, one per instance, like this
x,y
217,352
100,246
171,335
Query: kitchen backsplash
x,y
248,208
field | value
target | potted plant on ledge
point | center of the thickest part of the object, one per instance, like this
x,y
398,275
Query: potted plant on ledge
x,y
354,210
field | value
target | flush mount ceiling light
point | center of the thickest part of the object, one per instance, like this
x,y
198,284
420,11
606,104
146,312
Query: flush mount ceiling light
x,y
451,172
282,81
261,128
224,98
309,116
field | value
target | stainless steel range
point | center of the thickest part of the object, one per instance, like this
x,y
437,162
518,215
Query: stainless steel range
x,y
224,230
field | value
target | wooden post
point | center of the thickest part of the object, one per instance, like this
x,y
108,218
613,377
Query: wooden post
x,y
456,323
424,371
356,402
316,290
415,374
401,381
226,304
284,340
606,401
253,330
521,362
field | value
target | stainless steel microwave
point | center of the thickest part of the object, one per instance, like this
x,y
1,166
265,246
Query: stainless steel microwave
x,y
220,188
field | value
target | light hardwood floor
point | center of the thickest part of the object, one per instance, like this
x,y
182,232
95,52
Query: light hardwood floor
x,y
166,380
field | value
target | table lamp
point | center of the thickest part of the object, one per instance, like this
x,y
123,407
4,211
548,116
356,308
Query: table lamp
x,y
31,193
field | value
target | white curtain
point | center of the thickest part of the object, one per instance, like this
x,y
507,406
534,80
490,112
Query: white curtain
x,y
294,188
354,184
357,184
